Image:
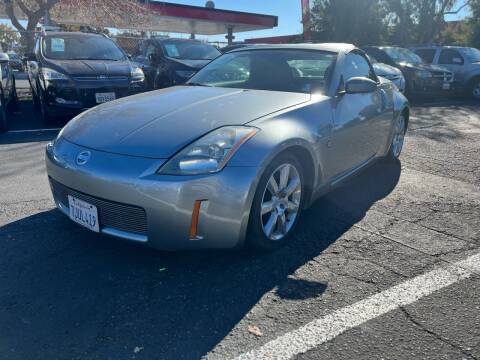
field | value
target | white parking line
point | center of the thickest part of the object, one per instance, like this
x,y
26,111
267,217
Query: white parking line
x,y
328,327
33,130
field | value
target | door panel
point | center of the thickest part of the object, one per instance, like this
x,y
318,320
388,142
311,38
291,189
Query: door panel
x,y
360,120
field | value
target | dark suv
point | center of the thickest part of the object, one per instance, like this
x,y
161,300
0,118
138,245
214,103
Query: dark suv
x,y
73,71
421,79
167,62
464,62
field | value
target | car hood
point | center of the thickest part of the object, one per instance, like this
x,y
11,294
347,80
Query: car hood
x,y
86,68
423,66
384,69
159,123
194,64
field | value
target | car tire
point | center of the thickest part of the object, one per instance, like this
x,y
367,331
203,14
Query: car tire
x,y
398,138
42,110
474,88
3,113
272,203
13,105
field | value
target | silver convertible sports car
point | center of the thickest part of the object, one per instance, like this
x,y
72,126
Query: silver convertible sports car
x,y
233,156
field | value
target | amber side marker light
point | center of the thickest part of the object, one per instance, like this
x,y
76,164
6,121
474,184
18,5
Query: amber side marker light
x,y
194,224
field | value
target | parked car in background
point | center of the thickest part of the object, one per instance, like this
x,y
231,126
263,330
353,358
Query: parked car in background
x,y
168,62
464,62
16,61
8,92
234,156
72,71
389,72
422,79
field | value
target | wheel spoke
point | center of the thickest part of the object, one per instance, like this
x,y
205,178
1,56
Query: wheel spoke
x,y
270,225
282,224
284,174
267,207
293,185
292,206
272,186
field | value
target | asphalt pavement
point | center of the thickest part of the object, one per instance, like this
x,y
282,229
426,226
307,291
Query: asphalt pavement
x,y
385,267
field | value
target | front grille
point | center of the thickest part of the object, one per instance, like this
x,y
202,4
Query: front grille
x,y
111,214
101,79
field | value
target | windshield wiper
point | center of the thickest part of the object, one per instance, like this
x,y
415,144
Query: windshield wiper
x,y
96,59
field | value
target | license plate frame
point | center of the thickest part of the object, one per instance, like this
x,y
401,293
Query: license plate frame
x,y
104,97
83,213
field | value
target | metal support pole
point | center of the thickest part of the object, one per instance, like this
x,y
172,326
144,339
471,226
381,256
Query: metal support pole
x,y
230,36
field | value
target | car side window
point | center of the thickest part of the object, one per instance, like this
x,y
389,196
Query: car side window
x,y
450,57
151,49
356,65
427,55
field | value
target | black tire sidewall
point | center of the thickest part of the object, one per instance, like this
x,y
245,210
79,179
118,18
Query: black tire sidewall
x,y
3,113
256,238
473,84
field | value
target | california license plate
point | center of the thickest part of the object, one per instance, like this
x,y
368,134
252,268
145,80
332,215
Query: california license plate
x,y
83,213
104,97
446,86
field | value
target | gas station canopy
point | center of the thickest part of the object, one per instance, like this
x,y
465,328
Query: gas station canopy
x,y
169,17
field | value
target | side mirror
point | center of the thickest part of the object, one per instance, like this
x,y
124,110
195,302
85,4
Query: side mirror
x,y
4,58
152,58
29,57
457,60
360,85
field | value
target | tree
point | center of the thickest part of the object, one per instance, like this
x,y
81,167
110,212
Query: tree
x,y
33,10
421,21
8,37
474,24
365,23
95,13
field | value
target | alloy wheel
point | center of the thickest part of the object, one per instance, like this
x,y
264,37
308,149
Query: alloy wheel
x,y
281,202
398,136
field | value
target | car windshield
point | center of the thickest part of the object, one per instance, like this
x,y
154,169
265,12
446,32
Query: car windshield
x,y
403,55
472,54
81,47
301,71
189,50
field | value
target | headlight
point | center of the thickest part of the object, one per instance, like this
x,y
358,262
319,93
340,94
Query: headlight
x,y
50,74
185,73
210,153
423,74
137,74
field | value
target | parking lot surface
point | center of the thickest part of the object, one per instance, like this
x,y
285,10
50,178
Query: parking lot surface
x,y
385,267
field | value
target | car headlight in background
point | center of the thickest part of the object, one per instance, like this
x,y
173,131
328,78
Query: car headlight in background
x,y
137,74
50,74
185,73
210,153
423,74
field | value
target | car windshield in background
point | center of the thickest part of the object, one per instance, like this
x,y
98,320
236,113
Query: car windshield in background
x,y
472,54
276,70
190,50
403,55
75,47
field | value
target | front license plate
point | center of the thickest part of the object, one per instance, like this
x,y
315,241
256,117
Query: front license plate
x,y
446,86
104,97
83,213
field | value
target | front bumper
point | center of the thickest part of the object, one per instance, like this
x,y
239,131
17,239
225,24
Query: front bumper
x,y
74,96
431,86
168,201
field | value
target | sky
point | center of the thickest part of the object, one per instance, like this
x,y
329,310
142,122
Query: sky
x,y
288,11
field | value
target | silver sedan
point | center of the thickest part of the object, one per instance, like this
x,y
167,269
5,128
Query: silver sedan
x,y
232,157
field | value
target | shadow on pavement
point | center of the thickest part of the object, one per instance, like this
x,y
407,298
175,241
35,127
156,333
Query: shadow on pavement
x,y
68,293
